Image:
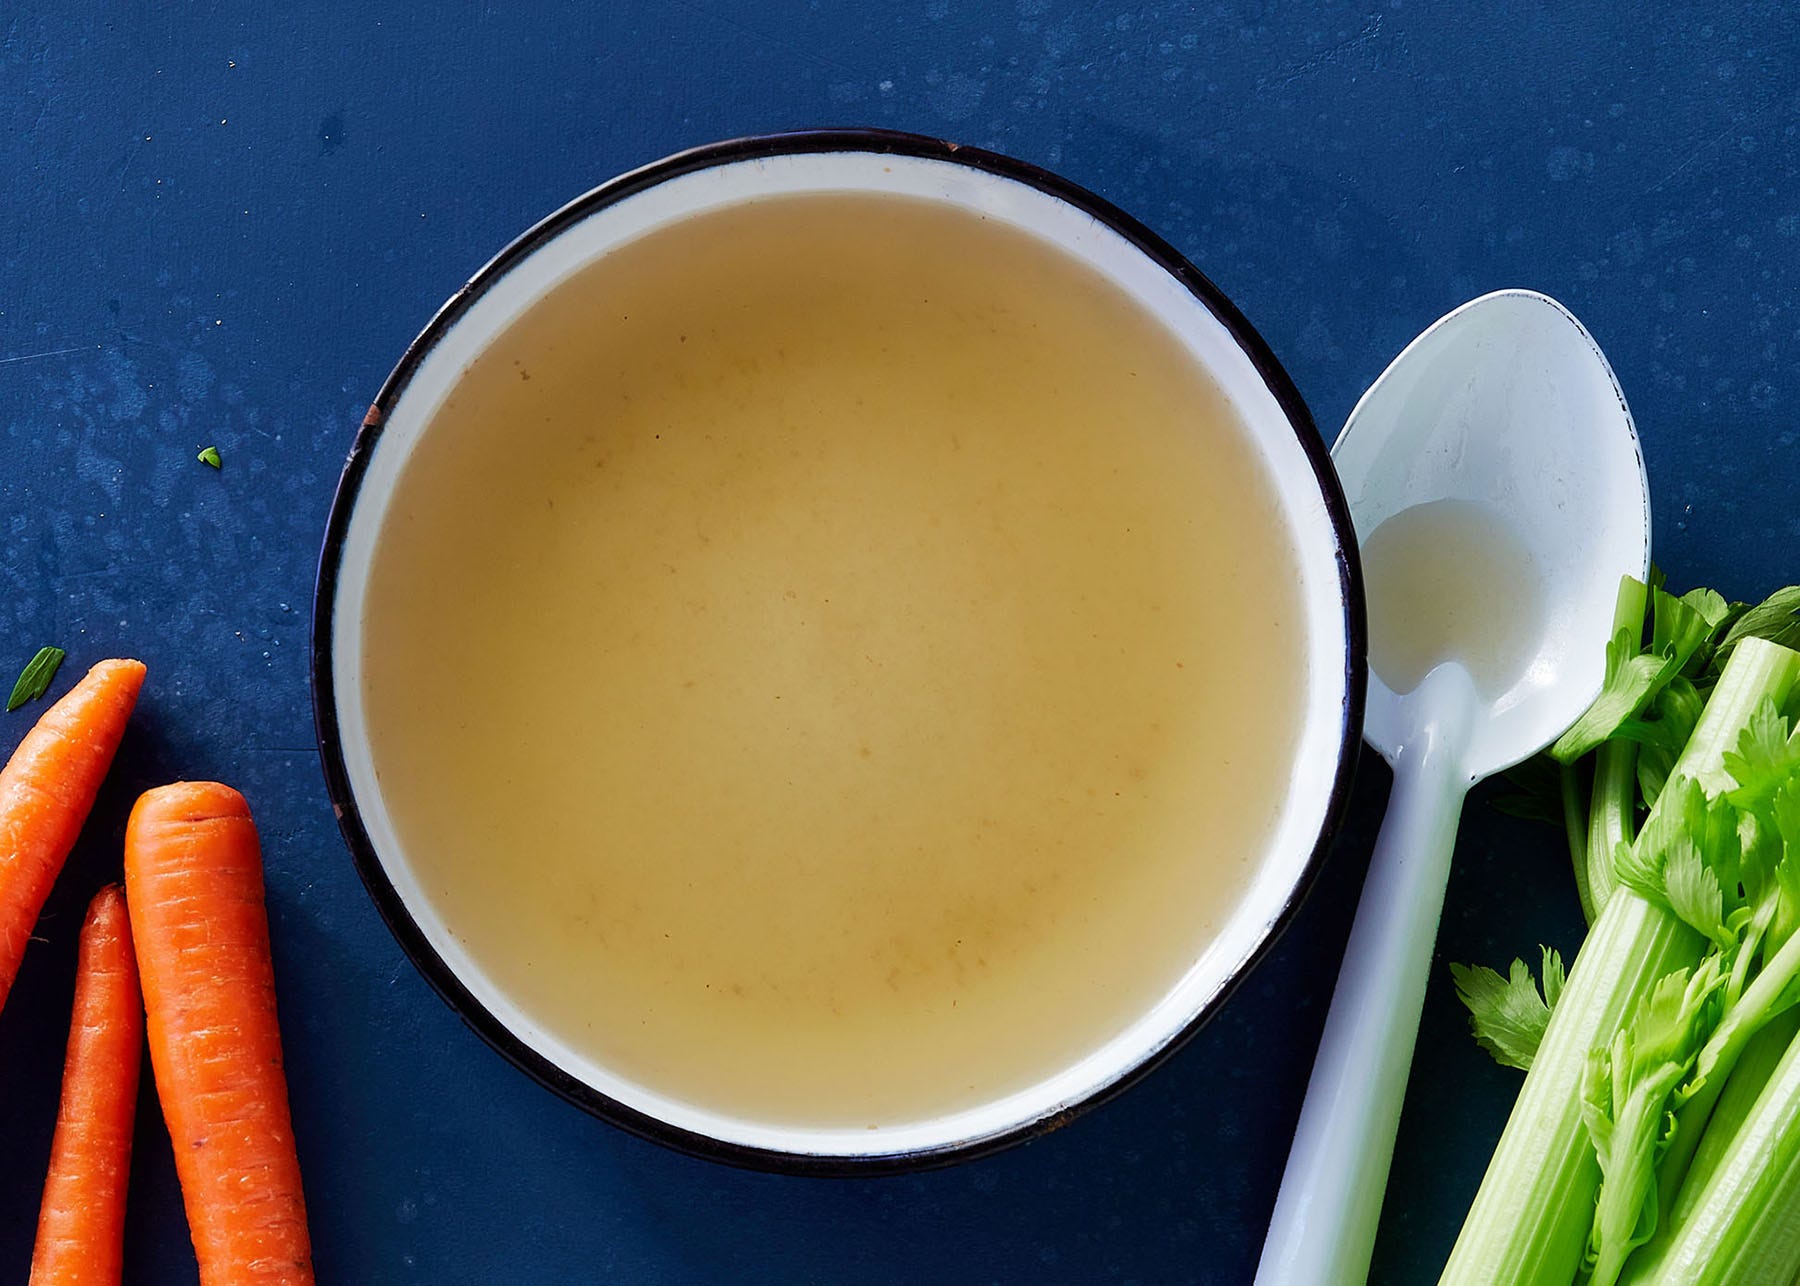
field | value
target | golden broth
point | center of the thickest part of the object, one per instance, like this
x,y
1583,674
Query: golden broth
x,y
1451,580
835,661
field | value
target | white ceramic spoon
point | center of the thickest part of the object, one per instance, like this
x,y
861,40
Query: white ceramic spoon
x,y
1509,404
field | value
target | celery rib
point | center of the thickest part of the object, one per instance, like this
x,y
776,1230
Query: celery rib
x,y
1613,799
1737,1221
1531,1217
1576,825
1610,815
1529,1221
1742,1022
1754,1067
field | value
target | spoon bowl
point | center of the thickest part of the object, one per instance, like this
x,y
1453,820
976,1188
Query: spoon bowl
x,y
1508,404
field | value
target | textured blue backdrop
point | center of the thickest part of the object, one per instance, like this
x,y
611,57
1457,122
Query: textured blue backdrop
x,y
223,223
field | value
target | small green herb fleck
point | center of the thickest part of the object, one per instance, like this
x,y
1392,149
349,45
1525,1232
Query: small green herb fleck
x,y
211,456
34,679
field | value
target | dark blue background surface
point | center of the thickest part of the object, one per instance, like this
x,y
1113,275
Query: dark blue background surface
x,y
223,224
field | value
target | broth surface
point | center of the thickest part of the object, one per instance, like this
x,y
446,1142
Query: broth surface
x,y
1450,579
834,662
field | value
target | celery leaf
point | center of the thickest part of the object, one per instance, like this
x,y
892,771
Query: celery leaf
x,y
1767,757
1677,711
1631,680
1680,626
1694,894
1625,1108
1508,1015
1690,859
1786,830
1554,976
1776,618
1679,629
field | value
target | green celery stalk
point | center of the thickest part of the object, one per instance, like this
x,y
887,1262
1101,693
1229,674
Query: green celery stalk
x,y
1768,776
1743,1022
1736,1221
1614,797
1610,809
1754,1068
1576,824
1627,1093
1610,815
1530,1219
1680,630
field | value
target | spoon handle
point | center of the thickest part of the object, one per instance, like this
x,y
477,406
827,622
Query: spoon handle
x,y
1323,1229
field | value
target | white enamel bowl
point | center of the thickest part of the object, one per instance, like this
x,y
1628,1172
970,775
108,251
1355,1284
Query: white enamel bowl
x,y
1080,225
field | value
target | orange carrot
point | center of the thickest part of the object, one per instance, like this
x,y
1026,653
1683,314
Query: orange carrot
x,y
193,881
81,1228
46,790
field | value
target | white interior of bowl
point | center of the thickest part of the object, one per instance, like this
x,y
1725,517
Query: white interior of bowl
x,y
1078,234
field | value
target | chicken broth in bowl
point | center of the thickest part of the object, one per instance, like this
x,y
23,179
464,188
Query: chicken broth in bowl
x,y
835,662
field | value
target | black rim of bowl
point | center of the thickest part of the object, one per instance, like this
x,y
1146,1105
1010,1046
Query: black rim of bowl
x,y
368,864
